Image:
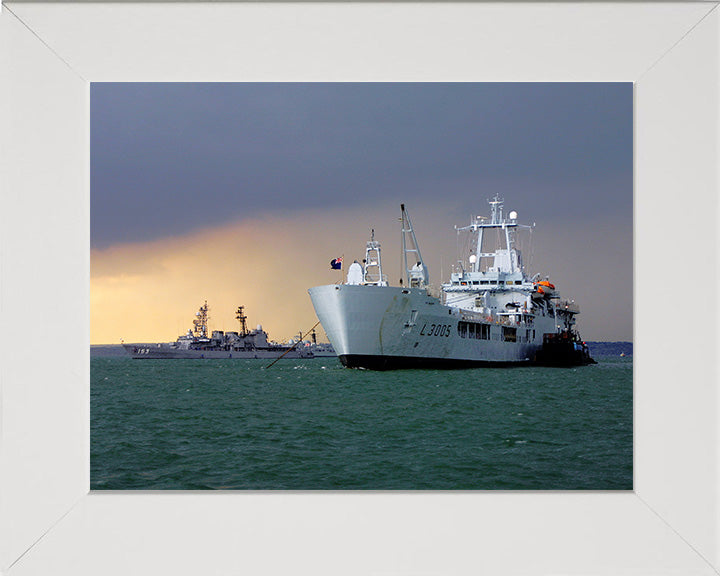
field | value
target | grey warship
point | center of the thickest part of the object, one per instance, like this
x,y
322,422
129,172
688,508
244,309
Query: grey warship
x,y
198,344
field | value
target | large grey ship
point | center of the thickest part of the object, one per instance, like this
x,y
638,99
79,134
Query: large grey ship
x,y
245,343
490,313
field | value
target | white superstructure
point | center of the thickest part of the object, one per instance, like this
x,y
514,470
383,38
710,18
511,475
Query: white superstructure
x,y
489,313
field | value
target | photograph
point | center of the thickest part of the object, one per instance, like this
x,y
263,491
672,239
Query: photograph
x,y
332,274
361,286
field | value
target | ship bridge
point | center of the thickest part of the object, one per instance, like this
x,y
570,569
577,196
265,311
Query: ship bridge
x,y
492,261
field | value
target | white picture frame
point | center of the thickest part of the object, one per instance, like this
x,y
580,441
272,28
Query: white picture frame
x,y
51,523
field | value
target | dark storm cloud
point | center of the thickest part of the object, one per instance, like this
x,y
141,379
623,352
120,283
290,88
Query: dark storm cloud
x,y
170,158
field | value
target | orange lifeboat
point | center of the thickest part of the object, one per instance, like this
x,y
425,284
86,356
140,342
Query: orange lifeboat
x,y
545,288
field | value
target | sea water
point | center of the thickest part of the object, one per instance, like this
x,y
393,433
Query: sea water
x,y
314,425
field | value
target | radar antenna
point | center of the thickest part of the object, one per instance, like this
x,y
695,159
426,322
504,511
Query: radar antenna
x,y
415,271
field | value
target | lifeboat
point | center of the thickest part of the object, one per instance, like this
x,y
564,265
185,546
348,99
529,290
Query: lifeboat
x,y
545,288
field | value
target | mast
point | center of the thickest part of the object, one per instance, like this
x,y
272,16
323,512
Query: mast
x,y
507,226
496,210
478,251
416,273
240,317
200,322
372,271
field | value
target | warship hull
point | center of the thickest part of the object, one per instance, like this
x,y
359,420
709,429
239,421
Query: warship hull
x,y
168,351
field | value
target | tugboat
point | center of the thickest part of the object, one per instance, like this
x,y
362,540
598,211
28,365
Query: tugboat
x,y
238,345
564,348
490,313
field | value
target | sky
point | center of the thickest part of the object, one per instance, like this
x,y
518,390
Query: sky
x,y
241,194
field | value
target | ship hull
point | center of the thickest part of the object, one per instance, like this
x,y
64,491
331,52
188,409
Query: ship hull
x,y
383,327
385,362
168,352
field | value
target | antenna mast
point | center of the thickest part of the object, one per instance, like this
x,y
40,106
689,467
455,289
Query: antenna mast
x,y
372,269
240,316
200,322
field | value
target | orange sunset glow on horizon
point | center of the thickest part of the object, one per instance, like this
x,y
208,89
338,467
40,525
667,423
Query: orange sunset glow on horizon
x,y
149,292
